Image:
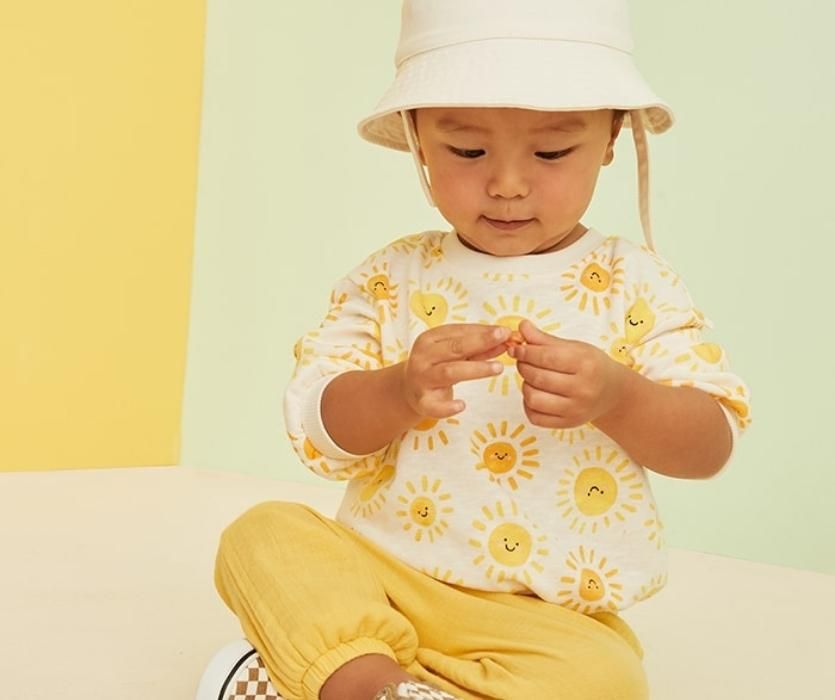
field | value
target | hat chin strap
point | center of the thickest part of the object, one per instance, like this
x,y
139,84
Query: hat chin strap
x,y
638,134
411,139
636,118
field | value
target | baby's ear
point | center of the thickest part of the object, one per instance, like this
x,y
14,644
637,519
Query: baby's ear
x,y
617,125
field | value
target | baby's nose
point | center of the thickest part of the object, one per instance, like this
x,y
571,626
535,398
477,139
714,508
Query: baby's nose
x,y
508,182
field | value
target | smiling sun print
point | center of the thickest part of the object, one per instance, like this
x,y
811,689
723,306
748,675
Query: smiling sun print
x,y
506,456
438,303
591,585
423,508
601,488
382,290
591,283
508,545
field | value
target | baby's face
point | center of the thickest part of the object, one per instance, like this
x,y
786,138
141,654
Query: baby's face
x,y
536,170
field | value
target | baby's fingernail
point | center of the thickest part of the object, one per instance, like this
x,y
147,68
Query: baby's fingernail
x,y
496,367
500,333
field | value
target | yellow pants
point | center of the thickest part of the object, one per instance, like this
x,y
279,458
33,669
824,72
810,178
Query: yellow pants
x,y
312,594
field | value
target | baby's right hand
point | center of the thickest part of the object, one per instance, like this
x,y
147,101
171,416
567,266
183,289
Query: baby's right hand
x,y
443,356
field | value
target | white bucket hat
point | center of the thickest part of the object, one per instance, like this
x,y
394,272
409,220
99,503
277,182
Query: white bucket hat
x,y
549,55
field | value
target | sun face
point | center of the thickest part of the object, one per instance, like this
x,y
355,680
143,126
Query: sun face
x,y
438,303
372,495
377,283
505,456
380,288
509,313
591,283
430,433
596,278
499,457
603,487
592,586
616,345
595,491
643,308
432,309
639,321
424,509
508,545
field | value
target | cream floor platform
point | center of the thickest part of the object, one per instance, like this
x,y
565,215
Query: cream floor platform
x,y
106,594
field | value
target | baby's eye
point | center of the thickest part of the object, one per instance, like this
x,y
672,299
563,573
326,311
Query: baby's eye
x,y
553,155
467,152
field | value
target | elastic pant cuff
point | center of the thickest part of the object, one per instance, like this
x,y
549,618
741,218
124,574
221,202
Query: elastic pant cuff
x,y
322,669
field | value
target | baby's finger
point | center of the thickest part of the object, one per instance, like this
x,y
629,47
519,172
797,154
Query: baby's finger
x,y
543,420
464,342
557,358
500,349
531,334
545,402
442,409
446,374
546,379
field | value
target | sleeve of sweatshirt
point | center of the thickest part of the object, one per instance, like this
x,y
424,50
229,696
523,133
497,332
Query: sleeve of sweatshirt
x,y
348,339
670,346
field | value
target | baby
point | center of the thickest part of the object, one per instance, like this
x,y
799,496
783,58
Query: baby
x,y
493,394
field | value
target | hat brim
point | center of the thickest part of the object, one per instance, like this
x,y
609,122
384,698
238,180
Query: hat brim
x,y
547,75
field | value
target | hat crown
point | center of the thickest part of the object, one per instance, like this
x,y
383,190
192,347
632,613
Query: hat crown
x,y
431,24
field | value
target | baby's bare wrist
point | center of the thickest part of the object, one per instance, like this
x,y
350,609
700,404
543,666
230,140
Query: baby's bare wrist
x,y
399,389
624,381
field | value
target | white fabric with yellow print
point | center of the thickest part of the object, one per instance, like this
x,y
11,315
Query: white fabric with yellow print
x,y
485,499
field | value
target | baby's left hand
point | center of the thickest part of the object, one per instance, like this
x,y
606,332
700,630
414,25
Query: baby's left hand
x,y
567,382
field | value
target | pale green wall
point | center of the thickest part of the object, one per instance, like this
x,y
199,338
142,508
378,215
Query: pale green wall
x,y
290,198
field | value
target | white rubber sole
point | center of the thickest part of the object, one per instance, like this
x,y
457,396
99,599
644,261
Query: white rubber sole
x,y
223,666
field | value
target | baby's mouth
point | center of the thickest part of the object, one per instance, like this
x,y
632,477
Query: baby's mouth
x,y
507,224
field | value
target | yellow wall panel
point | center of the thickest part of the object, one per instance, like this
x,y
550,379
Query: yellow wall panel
x,y
99,128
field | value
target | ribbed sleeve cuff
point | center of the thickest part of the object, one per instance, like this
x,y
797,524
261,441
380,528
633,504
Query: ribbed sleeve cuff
x,y
314,426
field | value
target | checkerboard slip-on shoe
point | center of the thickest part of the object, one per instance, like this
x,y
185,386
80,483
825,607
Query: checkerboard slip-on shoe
x,y
412,690
236,672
